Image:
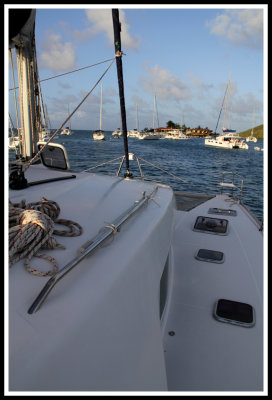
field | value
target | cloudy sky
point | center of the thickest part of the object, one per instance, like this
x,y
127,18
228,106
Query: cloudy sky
x,y
183,56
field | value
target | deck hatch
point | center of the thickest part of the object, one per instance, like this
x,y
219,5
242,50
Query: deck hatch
x,y
222,211
217,226
234,312
210,256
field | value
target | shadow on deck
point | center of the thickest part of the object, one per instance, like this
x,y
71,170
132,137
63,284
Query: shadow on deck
x,y
188,201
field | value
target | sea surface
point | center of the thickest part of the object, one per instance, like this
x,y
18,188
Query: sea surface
x,y
194,167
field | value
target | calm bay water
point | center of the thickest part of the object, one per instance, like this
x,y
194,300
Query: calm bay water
x,y
200,166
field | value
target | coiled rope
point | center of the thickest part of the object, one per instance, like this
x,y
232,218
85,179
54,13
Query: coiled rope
x,y
31,227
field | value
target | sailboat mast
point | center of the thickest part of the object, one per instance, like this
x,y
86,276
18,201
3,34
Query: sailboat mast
x,y
118,55
158,123
226,123
137,119
253,121
221,109
101,108
23,39
69,118
154,113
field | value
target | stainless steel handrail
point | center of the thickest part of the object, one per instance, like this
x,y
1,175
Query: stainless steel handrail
x,y
232,184
91,245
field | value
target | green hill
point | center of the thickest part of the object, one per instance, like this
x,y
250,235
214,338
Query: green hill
x,y
257,132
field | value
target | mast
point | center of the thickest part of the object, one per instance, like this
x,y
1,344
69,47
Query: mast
x,y
226,122
253,121
221,109
100,109
69,118
137,119
158,122
22,37
118,55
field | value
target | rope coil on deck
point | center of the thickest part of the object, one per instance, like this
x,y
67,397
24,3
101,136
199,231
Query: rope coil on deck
x,y
31,227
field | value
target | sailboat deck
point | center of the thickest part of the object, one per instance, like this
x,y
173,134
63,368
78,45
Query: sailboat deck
x,y
201,353
117,289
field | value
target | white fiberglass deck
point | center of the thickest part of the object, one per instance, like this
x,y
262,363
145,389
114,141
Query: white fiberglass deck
x,y
203,354
99,328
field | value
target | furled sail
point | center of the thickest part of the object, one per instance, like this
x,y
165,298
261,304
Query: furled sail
x,y
21,26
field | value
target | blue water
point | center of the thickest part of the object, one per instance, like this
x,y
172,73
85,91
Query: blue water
x,y
199,166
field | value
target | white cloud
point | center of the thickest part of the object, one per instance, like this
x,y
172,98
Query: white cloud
x,y
56,54
241,27
166,85
101,21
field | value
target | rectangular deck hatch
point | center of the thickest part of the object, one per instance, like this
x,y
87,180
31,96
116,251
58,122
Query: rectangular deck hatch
x,y
234,312
217,226
222,211
210,256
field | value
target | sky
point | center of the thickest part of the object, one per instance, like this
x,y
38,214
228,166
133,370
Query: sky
x,y
183,56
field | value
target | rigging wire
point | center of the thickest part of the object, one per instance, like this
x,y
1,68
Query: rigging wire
x,y
70,72
69,116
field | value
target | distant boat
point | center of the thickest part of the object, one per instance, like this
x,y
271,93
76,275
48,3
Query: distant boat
x,y
14,142
44,134
117,133
258,148
151,134
176,134
135,132
230,139
99,134
67,130
252,138
227,141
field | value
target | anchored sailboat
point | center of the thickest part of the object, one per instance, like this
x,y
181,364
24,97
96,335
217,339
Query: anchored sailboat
x,y
230,139
152,134
252,138
99,134
67,129
134,133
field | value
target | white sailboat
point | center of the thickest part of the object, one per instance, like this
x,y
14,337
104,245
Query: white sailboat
x,y
134,133
229,139
151,134
151,294
67,130
226,142
13,141
252,138
99,134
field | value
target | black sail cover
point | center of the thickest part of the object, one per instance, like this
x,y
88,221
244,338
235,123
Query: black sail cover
x,y
21,26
